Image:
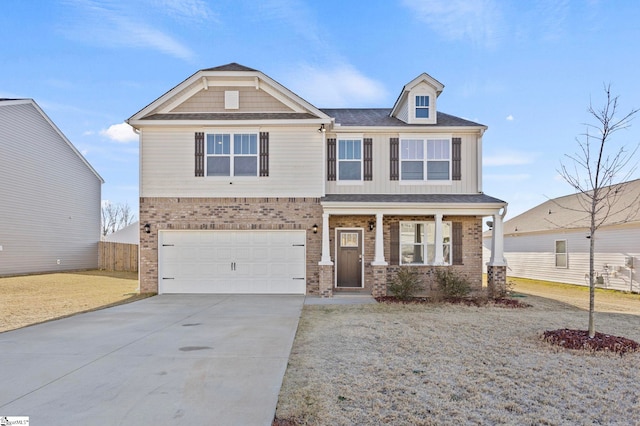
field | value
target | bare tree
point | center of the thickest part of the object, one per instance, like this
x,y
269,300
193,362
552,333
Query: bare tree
x,y
115,217
598,175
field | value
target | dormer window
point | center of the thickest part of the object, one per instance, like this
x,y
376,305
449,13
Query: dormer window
x,y
422,106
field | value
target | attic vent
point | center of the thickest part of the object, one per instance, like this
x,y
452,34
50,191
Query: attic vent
x,y
231,99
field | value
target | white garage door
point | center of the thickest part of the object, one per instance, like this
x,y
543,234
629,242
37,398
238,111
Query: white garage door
x,y
258,262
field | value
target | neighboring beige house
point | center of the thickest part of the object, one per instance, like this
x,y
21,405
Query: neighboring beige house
x,y
549,242
49,195
248,188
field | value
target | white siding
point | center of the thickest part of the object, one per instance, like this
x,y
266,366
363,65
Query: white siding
x,y
295,166
381,184
49,198
533,256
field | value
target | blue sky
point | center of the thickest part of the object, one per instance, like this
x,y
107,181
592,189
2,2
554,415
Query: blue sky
x,y
526,69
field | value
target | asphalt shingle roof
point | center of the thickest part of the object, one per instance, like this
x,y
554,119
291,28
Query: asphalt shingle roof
x,y
233,66
568,212
412,198
232,116
379,117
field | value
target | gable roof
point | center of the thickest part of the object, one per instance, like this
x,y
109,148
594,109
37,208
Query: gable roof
x,y
233,66
161,108
8,102
422,78
564,213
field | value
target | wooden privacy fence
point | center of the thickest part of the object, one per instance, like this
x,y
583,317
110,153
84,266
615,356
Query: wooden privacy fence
x,y
117,256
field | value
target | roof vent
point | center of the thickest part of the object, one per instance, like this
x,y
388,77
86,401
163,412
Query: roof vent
x,y
231,99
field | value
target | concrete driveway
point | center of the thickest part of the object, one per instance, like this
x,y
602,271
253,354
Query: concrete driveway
x,y
169,359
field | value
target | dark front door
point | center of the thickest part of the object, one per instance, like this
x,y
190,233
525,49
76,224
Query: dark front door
x,y
349,258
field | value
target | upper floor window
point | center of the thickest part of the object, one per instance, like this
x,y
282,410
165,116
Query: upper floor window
x,y
349,159
418,243
225,159
422,106
430,158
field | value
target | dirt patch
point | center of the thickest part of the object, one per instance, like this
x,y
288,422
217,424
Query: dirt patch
x,y
431,364
33,299
580,340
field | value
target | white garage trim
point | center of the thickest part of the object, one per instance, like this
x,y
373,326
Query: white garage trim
x,y
256,261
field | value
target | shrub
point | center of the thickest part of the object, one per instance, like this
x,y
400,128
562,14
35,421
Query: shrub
x,y
405,284
452,285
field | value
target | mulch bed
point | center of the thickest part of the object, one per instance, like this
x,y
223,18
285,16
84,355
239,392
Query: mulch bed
x,y
579,339
504,302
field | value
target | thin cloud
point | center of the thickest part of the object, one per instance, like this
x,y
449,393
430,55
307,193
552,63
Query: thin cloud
x,y
116,25
479,22
510,117
122,133
338,86
509,158
193,10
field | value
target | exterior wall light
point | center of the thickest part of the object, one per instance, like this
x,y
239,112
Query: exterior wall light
x,y
315,228
147,228
372,225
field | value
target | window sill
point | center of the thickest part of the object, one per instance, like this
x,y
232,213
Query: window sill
x,y
426,182
349,183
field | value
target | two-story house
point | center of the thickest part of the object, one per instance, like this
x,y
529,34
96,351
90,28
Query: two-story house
x,y
245,187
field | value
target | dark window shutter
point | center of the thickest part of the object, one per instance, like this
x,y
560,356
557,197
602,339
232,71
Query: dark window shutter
x,y
199,154
368,158
331,159
456,163
394,147
264,153
394,240
456,242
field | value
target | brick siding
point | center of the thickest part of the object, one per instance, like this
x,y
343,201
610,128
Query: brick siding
x,y
228,214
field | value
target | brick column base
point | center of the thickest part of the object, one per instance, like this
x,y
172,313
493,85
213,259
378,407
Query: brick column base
x,y
379,281
326,280
496,281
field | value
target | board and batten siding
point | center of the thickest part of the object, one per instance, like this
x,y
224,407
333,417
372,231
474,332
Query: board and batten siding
x,y
533,256
49,198
382,184
295,165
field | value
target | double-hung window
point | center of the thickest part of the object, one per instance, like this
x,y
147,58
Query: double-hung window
x,y
425,159
561,253
422,106
349,159
418,243
225,158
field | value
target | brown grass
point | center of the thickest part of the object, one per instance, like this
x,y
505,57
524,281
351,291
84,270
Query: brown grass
x,y
32,299
455,364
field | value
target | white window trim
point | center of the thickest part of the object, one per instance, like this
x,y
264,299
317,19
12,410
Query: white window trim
x,y
424,244
231,133
413,119
416,107
349,137
425,138
566,254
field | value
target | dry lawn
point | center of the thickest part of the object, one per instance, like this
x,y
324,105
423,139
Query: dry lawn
x,y
453,364
32,299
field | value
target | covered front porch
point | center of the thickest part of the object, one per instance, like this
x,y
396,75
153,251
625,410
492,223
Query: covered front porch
x,y
366,239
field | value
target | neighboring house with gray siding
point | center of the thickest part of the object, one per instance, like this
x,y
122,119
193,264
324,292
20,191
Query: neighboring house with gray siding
x,y
49,195
549,242
245,187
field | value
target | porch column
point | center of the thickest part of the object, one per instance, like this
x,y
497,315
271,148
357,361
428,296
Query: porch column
x,y
439,254
497,266
378,259
326,250
497,242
